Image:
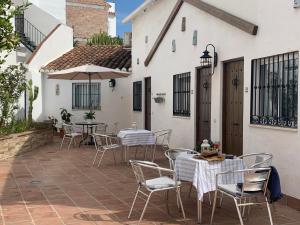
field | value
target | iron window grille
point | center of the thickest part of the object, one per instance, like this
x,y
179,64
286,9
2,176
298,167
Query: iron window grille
x,y
274,90
137,96
181,94
80,96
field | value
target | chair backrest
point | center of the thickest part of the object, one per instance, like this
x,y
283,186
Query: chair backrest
x,y
100,128
68,129
163,137
172,154
257,160
256,179
138,171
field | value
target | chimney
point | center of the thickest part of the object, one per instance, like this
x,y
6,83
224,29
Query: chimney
x,y
127,39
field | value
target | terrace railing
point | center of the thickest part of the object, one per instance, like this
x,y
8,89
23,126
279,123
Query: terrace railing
x,y
29,35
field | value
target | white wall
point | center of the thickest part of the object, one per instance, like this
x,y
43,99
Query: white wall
x,y
56,8
115,105
57,44
279,32
112,20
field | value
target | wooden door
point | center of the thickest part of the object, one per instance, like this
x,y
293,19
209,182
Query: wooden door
x,y
148,103
203,104
233,107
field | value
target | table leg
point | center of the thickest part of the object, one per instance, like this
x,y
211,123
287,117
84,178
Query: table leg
x,y
199,211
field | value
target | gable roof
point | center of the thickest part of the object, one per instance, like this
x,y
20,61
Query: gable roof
x,y
115,57
143,7
233,20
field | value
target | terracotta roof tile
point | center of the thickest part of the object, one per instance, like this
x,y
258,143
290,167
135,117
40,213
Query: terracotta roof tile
x,y
115,57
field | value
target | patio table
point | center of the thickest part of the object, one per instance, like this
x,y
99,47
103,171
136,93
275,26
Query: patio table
x,y
136,137
88,126
203,174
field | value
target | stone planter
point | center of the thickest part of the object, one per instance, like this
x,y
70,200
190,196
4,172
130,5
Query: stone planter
x,y
15,144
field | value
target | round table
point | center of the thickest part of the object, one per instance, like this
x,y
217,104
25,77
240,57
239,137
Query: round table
x,y
88,125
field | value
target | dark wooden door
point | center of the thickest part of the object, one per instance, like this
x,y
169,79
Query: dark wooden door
x,y
148,103
233,107
203,105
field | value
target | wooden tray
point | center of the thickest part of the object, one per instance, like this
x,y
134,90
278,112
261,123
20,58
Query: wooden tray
x,y
210,159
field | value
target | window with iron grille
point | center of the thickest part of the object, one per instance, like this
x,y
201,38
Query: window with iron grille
x,y
137,96
274,90
181,94
80,96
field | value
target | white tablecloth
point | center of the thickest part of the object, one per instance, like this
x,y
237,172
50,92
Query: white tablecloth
x,y
132,137
203,173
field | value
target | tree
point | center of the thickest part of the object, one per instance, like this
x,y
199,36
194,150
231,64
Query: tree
x,y
33,94
8,39
12,84
103,38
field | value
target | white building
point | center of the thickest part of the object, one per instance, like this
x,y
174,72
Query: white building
x,y
169,37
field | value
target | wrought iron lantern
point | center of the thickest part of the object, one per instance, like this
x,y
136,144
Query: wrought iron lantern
x,y
206,60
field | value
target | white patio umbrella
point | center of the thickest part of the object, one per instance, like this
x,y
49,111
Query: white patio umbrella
x,y
88,72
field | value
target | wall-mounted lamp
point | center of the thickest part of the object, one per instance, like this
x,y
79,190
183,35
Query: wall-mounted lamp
x,y
112,83
207,60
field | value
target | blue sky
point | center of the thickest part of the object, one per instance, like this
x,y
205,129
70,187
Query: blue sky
x,y
123,8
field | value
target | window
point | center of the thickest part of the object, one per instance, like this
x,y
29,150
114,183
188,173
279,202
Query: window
x,y
274,90
80,96
181,94
137,96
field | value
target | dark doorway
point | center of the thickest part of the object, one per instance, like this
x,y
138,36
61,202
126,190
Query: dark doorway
x,y
203,104
148,103
233,107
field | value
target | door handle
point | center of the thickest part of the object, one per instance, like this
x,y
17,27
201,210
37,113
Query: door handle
x,y
235,124
205,121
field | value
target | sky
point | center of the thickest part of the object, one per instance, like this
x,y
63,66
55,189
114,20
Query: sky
x,y
124,8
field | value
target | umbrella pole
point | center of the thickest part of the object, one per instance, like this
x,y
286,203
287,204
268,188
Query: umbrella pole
x,y
90,93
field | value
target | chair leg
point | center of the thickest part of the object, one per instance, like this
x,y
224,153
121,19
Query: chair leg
x,y
180,202
101,158
95,157
70,143
114,156
62,142
142,215
221,200
209,198
269,212
167,201
153,154
190,191
132,205
239,212
214,207
135,152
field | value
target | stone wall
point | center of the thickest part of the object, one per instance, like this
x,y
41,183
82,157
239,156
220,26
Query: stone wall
x,y
15,144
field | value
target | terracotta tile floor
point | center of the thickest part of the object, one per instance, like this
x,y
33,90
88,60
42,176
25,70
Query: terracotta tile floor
x,y
50,187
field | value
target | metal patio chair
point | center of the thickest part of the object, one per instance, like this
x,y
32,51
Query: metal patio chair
x,y
100,128
71,132
254,186
254,160
160,183
162,139
103,144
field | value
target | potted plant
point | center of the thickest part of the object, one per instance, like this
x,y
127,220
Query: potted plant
x,y
89,116
54,122
66,118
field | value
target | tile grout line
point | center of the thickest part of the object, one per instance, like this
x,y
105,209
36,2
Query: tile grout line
x,y
49,202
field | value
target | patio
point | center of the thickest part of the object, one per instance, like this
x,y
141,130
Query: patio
x,y
48,186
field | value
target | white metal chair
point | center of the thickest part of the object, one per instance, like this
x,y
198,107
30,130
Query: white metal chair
x,y
105,143
71,132
100,128
254,186
257,160
160,183
162,139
